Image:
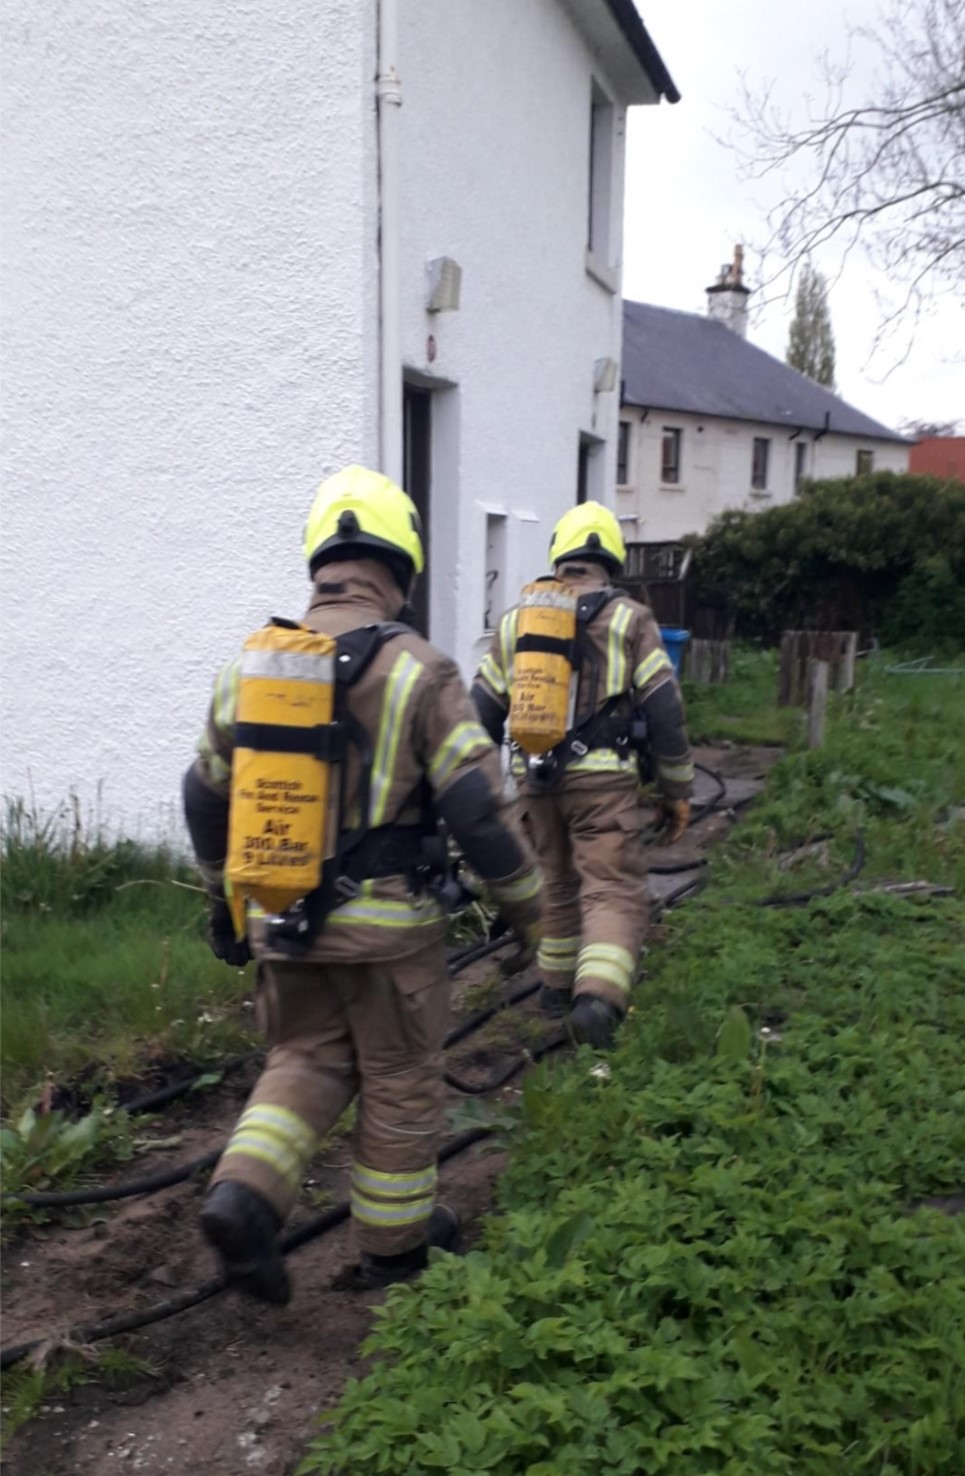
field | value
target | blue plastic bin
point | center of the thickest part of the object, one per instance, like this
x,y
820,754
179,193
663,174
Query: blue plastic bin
x,y
674,639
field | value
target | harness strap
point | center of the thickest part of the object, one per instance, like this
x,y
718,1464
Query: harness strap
x,y
325,741
548,646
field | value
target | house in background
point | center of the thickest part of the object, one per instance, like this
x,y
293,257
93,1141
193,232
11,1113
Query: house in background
x,y
710,422
244,246
939,456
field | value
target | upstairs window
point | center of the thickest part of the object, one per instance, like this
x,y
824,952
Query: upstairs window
x,y
599,202
623,454
670,454
760,457
864,462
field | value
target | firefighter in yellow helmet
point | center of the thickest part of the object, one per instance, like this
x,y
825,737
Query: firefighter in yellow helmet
x,y
602,692
351,984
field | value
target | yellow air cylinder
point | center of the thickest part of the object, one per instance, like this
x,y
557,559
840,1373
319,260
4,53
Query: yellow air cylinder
x,y
278,822
540,695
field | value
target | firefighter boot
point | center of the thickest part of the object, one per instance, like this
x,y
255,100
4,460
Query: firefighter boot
x,y
593,1022
243,1228
375,1272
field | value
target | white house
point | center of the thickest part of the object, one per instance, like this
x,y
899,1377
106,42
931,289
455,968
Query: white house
x,y
245,245
710,422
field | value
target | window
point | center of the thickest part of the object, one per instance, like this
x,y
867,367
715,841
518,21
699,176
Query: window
x,y
590,469
864,463
759,460
800,457
494,586
623,454
599,196
670,454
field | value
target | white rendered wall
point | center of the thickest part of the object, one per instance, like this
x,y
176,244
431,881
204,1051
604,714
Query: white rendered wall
x,y
189,346
495,139
715,472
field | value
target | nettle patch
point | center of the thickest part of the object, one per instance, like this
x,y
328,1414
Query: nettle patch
x,y
712,1257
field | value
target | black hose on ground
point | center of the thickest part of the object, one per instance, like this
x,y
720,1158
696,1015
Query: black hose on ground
x,y
291,1241
508,1070
158,1098
700,811
150,1185
801,899
680,894
473,1022
467,956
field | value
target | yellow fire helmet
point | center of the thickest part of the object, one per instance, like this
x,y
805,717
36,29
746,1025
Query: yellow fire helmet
x,y
589,531
359,513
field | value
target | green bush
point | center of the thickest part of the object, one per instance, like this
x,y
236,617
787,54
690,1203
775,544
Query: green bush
x,y
884,554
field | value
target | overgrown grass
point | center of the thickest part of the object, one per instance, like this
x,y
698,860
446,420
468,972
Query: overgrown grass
x,y
743,709
105,966
708,1260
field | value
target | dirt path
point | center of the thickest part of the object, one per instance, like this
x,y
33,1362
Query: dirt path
x,y
236,1386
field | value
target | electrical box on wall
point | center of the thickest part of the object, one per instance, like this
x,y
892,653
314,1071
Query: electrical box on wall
x,y
445,285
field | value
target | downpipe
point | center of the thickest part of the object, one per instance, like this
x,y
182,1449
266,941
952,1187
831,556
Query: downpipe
x,y
388,94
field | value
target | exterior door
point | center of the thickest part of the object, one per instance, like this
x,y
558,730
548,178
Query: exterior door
x,y
417,480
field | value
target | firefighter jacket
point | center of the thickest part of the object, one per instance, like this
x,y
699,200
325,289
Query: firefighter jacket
x,y
623,670
429,755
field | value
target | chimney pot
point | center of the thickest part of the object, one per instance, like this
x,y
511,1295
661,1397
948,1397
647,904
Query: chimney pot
x,y
727,298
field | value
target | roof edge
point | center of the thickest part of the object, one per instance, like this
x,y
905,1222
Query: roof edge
x,y
884,435
628,18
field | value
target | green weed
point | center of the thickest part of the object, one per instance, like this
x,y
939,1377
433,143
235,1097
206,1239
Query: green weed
x,y
26,1390
44,1150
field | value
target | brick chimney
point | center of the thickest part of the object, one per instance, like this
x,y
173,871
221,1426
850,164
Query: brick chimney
x,y
727,298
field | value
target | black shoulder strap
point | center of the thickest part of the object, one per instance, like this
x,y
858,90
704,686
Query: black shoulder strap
x,y
356,649
589,605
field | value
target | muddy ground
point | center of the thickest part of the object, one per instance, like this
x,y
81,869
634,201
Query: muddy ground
x,y
238,1387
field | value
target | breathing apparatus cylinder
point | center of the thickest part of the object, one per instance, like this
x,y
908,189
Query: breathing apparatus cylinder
x,y
542,690
281,828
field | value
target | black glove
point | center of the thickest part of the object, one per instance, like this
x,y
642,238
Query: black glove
x,y
221,935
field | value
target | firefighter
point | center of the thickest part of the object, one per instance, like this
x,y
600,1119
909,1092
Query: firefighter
x,y
355,1005
620,705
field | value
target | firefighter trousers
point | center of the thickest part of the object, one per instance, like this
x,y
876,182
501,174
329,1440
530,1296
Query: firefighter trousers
x,y
590,846
336,1032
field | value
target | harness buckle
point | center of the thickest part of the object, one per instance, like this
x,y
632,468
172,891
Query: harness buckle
x,y
346,889
542,768
580,748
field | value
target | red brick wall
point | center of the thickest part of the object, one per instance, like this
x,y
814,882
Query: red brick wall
x,y
939,456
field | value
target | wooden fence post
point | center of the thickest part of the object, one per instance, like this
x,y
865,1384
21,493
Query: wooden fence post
x,y
837,648
817,701
707,662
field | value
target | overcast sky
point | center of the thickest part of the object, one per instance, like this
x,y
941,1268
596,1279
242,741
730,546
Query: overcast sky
x,y
687,206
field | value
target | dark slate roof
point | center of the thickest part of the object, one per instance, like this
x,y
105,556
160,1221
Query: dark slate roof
x,y
625,14
694,365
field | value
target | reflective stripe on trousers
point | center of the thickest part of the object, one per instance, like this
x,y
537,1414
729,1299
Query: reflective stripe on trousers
x,y
276,1137
382,1199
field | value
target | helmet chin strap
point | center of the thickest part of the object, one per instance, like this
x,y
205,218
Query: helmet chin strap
x,y
407,609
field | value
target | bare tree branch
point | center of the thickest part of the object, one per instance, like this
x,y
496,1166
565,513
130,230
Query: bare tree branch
x,y
886,173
